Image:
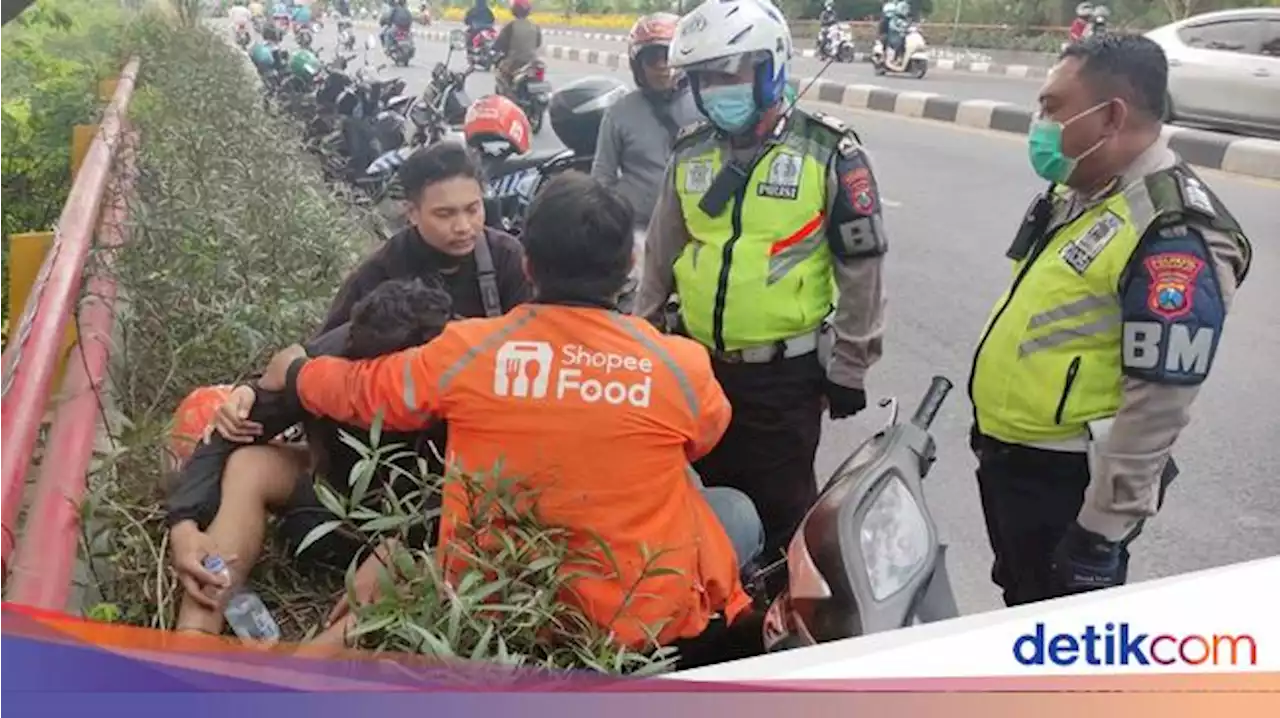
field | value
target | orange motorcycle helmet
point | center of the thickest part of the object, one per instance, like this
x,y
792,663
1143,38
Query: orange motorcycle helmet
x,y
494,121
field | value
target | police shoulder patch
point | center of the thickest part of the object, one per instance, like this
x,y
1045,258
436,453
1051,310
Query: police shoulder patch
x,y
692,130
849,142
1172,309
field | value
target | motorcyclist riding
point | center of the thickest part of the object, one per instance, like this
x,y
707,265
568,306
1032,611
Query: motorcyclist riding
x,y
517,45
396,17
1098,20
240,17
894,24
478,18
1080,26
826,21
828,16
301,16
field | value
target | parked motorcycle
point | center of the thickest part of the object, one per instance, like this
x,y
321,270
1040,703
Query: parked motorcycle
x,y
532,92
575,111
913,61
835,42
480,53
400,48
444,102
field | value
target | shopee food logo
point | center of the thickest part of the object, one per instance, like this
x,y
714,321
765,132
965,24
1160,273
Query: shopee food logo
x,y
526,370
1121,645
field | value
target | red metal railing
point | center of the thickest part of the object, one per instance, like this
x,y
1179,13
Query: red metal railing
x,y
46,548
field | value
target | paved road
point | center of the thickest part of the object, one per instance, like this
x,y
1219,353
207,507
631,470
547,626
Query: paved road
x,y
959,85
954,197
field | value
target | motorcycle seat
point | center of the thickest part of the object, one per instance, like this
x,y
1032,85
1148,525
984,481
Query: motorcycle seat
x,y
533,159
399,103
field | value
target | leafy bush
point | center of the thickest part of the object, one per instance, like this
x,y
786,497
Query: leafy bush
x,y
236,247
54,54
506,605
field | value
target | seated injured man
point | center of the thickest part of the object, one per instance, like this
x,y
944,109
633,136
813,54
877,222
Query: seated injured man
x,y
594,409
220,500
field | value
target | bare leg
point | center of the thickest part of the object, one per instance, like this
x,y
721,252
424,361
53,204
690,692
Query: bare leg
x,y
255,479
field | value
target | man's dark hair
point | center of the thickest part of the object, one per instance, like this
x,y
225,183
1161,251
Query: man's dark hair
x,y
578,236
437,163
399,314
1131,67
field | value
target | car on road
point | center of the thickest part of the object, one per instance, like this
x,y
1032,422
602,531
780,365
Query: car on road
x,y
1224,69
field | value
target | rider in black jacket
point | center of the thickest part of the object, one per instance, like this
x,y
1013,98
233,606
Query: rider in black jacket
x,y
478,18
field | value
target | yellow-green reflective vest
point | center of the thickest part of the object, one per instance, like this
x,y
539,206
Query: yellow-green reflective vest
x,y
1049,360
761,271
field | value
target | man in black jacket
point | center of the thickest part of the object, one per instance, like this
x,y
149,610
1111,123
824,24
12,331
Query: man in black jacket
x,y
482,268
219,502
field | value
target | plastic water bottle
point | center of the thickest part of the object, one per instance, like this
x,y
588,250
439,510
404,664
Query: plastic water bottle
x,y
246,613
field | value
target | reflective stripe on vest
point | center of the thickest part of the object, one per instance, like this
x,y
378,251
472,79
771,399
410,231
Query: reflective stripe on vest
x,y
761,271
1050,358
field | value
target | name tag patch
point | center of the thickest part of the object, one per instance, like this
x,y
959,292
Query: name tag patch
x,y
784,178
697,176
1081,253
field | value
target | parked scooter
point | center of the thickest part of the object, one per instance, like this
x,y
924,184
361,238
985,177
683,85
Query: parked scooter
x,y
867,557
913,61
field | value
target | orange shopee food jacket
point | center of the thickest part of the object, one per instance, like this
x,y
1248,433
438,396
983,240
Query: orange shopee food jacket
x,y
596,411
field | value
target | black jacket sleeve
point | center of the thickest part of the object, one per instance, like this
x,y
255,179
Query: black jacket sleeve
x,y
196,492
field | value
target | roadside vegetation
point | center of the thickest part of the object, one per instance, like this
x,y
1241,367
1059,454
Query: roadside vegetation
x,y
236,246
54,55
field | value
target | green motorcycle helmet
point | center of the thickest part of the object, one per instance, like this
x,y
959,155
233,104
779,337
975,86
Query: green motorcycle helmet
x,y
261,55
304,65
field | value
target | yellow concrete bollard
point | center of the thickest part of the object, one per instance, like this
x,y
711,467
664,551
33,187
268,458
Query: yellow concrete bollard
x,y
26,254
81,139
107,88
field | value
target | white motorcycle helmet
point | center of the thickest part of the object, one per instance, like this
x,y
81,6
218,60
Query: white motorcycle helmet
x,y
904,8
889,8
1084,9
727,35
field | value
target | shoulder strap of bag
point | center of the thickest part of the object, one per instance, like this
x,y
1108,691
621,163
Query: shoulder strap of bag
x,y
488,277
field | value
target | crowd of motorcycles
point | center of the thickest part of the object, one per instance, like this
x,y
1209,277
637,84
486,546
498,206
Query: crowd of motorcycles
x,y
362,124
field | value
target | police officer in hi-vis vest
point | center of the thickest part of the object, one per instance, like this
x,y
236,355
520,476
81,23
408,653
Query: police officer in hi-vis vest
x,y
768,221
1085,373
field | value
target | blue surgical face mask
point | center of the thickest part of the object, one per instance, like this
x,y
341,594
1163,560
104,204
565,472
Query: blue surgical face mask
x,y
732,108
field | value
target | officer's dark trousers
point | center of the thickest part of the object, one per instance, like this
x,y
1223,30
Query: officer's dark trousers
x,y
1029,498
768,451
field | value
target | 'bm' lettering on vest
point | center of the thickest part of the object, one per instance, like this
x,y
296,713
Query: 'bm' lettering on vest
x,y
1184,352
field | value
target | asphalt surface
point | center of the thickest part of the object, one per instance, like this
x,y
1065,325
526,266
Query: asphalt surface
x,y
954,197
958,85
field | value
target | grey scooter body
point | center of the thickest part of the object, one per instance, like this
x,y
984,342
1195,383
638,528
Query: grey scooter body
x,y
867,557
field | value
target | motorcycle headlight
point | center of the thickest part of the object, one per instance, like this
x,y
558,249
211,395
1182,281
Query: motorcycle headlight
x,y
894,538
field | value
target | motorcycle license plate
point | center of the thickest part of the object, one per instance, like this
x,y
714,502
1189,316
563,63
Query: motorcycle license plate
x,y
539,88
